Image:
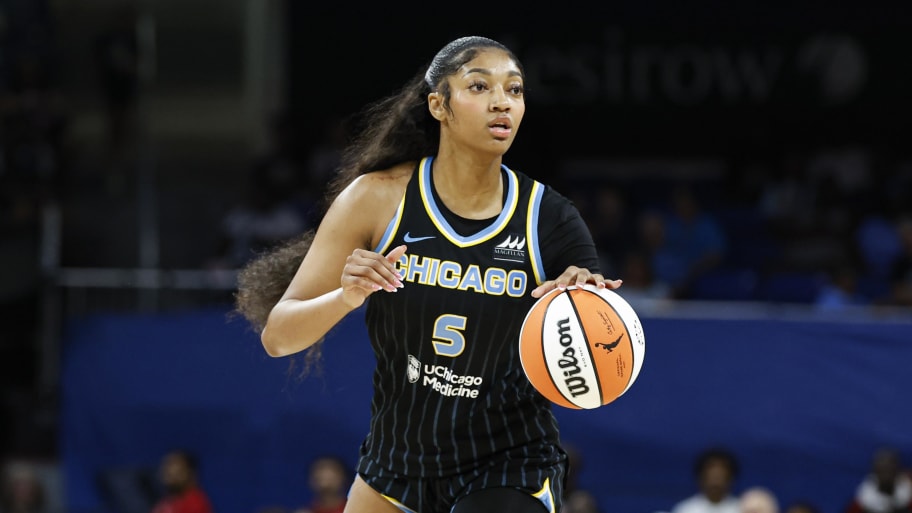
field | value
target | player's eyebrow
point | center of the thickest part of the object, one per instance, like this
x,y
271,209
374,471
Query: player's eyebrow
x,y
485,71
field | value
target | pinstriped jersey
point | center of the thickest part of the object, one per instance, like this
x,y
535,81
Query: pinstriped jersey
x,y
449,389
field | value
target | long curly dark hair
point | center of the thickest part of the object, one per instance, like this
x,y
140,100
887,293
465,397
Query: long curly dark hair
x,y
396,129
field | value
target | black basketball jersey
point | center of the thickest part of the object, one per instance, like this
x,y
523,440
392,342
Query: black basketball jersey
x,y
449,389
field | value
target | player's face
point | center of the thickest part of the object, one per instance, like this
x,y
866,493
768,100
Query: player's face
x,y
486,102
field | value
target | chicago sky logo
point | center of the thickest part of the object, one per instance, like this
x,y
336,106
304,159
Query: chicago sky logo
x,y
512,249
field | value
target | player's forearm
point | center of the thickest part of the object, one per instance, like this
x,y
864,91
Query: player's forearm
x,y
295,325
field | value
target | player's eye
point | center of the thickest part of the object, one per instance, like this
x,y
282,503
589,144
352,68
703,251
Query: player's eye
x,y
477,85
516,89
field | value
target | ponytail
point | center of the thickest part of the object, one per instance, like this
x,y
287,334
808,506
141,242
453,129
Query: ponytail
x,y
262,283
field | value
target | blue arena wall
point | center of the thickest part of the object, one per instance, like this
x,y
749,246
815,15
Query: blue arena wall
x,y
803,404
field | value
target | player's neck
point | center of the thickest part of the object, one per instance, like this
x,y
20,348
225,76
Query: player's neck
x,y
470,189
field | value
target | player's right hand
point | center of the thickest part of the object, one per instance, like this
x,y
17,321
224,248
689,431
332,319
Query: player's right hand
x,y
366,272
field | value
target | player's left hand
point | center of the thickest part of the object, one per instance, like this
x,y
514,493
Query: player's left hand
x,y
575,276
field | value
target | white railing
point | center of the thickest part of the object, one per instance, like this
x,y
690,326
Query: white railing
x,y
77,291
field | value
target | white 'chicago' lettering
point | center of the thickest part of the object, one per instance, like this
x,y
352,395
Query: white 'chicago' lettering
x,y
493,281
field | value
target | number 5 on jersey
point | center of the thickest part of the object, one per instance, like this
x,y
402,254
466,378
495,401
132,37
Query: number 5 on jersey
x,y
448,337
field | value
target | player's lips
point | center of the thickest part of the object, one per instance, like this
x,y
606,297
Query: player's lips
x,y
502,126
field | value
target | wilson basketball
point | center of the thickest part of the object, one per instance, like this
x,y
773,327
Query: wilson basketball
x,y
582,348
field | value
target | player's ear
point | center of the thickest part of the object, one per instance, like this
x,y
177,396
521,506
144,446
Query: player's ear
x,y
435,106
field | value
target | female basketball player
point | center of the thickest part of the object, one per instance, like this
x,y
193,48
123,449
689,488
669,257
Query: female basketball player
x,y
451,247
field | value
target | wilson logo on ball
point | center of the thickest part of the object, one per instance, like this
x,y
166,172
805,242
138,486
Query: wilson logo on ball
x,y
575,385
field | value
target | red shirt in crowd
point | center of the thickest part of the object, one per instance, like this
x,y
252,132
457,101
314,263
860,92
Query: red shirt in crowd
x,y
193,500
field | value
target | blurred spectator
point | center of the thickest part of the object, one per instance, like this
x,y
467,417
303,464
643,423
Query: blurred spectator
x,y
901,272
183,494
608,217
23,491
266,216
715,470
812,204
329,480
840,290
651,234
685,243
886,489
640,283
275,205
878,244
785,196
279,163
839,174
759,500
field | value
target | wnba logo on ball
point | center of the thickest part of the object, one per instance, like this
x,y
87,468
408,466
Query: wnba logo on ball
x,y
576,385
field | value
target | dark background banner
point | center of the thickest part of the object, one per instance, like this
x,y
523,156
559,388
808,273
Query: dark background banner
x,y
672,80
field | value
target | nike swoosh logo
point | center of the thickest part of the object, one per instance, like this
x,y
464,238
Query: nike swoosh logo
x,y
409,238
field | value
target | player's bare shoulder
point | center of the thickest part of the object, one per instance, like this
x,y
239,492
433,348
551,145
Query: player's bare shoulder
x,y
386,185
378,190
371,200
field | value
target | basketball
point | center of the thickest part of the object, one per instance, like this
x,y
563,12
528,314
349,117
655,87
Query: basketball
x,y
582,348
